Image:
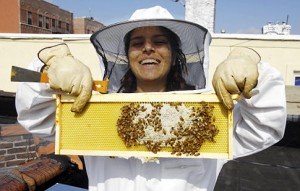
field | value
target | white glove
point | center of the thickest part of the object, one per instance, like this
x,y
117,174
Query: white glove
x,y
237,74
68,74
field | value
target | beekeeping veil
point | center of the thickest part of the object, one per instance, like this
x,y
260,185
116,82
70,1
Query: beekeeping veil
x,y
195,39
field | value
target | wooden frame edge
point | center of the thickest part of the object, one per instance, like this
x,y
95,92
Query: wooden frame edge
x,y
230,134
147,97
57,126
145,154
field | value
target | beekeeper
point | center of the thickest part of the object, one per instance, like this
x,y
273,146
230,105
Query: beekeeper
x,y
142,55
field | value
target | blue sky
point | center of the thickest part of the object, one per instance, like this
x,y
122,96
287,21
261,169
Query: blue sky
x,y
235,16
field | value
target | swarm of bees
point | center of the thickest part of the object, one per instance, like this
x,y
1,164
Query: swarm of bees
x,y
158,125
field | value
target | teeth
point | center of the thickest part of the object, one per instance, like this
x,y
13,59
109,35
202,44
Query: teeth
x,y
149,61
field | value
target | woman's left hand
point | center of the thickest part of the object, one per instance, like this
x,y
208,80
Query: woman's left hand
x,y
237,74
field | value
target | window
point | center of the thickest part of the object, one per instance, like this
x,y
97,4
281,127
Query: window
x,y
68,26
53,23
29,18
40,21
59,24
297,80
47,23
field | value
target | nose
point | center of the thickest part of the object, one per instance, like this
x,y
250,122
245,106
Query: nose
x,y
148,47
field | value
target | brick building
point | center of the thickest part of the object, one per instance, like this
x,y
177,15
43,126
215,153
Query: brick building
x,y
34,16
86,25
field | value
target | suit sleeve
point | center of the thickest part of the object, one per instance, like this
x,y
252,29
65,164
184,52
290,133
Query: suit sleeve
x,y
259,122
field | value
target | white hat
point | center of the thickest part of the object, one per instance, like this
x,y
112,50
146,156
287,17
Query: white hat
x,y
156,12
109,43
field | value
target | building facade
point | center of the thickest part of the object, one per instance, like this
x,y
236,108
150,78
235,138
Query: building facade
x,y
277,29
34,16
86,25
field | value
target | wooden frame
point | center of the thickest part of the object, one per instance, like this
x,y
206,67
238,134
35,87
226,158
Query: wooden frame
x,y
97,101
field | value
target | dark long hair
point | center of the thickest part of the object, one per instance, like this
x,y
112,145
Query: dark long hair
x,y
175,80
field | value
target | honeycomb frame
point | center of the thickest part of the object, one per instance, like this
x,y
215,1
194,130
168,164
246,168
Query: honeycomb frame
x,y
93,132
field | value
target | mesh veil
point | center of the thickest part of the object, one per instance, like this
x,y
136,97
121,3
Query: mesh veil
x,y
195,39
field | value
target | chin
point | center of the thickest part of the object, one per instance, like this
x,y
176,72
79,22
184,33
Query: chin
x,y
150,79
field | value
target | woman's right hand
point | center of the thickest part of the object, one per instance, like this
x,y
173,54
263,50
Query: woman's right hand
x,y
67,74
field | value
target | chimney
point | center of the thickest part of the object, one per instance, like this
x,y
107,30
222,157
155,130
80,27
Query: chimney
x,y
201,12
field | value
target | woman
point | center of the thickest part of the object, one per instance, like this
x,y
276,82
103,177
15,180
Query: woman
x,y
156,61
156,64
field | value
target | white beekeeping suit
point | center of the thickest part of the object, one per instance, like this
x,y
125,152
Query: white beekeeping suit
x,y
259,122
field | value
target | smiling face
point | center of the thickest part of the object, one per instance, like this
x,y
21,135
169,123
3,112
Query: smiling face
x,y
150,56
